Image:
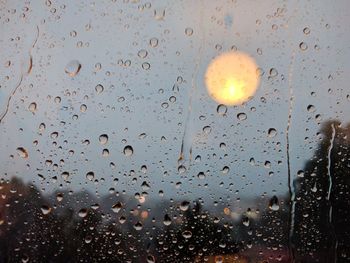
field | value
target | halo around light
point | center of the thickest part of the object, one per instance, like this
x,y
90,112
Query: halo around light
x,y
232,78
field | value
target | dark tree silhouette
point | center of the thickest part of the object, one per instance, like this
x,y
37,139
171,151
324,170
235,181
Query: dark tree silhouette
x,y
322,202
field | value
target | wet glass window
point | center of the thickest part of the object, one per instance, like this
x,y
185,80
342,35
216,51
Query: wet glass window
x,y
174,131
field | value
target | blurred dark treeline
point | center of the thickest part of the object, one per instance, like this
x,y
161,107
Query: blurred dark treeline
x,y
322,200
80,227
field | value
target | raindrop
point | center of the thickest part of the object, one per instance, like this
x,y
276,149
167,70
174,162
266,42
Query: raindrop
x,y
54,135
59,197
22,152
146,66
128,150
167,220
245,221
90,176
159,14
32,107
83,212
57,99
138,226
201,175
142,53
221,109
273,72
241,116
184,205
207,129
187,234
225,170
151,259
99,89
153,42
303,46
274,204
116,207
306,30
83,108
189,31
65,175
105,153
73,68
311,108
103,139
181,169
272,132
45,209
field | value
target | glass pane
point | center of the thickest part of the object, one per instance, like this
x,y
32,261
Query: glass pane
x,y
174,131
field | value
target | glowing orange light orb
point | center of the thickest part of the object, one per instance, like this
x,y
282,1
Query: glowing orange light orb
x,y
232,78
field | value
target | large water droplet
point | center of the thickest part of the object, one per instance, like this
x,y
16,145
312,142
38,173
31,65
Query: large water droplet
x,y
128,150
45,209
22,152
99,89
116,207
184,205
73,68
32,107
274,204
187,234
83,212
167,220
103,139
90,176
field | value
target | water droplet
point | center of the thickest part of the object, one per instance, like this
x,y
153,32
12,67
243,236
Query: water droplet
x,y
181,169
187,234
189,31
167,220
116,207
54,135
151,259
128,150
272,132
245,221
159,14
153,42
201,175
59,197
241,116
142,53
103,139
83,108
273,72
146,66
22,152
73,68
225,170
221,109
184,206
32,107
65,175
311,108
303,46
45,209
90,176
207,129
83,212
138,226
99,89
274,204
306,30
